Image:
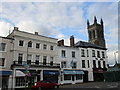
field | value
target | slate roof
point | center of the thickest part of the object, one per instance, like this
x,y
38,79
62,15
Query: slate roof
x,y
88,45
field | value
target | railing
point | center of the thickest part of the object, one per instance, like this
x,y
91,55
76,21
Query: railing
x,y
37,63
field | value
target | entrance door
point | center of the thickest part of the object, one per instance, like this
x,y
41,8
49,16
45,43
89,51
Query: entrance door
x,y
85,76
73,79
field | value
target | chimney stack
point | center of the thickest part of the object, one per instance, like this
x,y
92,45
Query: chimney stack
x,y
72,41
16,28
36,33
61,42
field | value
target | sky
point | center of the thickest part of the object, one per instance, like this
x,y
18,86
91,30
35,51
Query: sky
x,y
60,19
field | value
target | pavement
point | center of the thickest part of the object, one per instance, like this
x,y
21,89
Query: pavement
x,y
94,85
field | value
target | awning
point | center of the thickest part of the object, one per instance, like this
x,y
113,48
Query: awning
x,y
29,72
73,72
2,73
19,73
51,72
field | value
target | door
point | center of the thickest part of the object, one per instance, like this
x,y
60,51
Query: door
x,y
73,79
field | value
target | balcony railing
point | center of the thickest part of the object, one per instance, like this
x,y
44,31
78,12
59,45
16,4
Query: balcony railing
x,y
36,63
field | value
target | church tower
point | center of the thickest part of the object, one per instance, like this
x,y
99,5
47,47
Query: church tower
x,y
96,33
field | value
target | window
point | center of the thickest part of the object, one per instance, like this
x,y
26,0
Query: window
x,y
78,76
63,64
94,64
103,54
83,63
37,45
51,47
93,53
98,54
37,59
20,58
44,60
63,53
87,53
44,46
82,53
29,59
104,66
93,34
51,60
29,44
88,63
67,77
2,62
2,46
21,42
73,54
20,81
99,65
74,65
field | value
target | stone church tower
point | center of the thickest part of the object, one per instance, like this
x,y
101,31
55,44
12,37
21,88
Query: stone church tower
x,y
96,33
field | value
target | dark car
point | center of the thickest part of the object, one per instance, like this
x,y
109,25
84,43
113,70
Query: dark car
x,y
45,84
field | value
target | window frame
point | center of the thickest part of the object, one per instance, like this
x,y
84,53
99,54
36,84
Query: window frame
x,y
51,47
1,47
20,43
44,60
29,44
73,54
82,53
83,64
63,64
63,53
37,45
3,62
93,53
44,46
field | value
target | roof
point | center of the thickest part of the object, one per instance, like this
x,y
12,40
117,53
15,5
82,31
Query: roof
x,y
6,38
88,45
31,34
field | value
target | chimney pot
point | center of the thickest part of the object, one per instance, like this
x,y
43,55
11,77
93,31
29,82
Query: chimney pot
x,y
36,33
16,28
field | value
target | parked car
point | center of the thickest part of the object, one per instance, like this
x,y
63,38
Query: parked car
x,y
45,84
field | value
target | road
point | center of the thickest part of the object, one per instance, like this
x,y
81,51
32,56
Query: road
x,y
88,86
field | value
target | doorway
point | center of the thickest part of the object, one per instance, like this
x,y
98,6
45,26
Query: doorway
x,y
73,79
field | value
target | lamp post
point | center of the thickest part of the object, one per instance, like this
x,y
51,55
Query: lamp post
x,y
26,65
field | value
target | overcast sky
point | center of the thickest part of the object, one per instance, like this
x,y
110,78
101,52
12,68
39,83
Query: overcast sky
x,y
61,19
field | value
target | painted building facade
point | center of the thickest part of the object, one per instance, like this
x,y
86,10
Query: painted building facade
x,y
86,60
35,56
5,62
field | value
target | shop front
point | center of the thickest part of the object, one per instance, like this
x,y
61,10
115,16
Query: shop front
x,y
25,78
98,74
51,75
71,76
5,77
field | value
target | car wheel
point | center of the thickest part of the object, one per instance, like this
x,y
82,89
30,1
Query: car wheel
x,y
56,86
39,88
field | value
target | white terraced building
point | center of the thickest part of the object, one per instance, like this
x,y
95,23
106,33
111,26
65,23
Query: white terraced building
x,y
34,55
81,62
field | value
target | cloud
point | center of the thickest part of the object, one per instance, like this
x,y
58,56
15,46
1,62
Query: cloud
x,y
112,48
5,28
50,19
